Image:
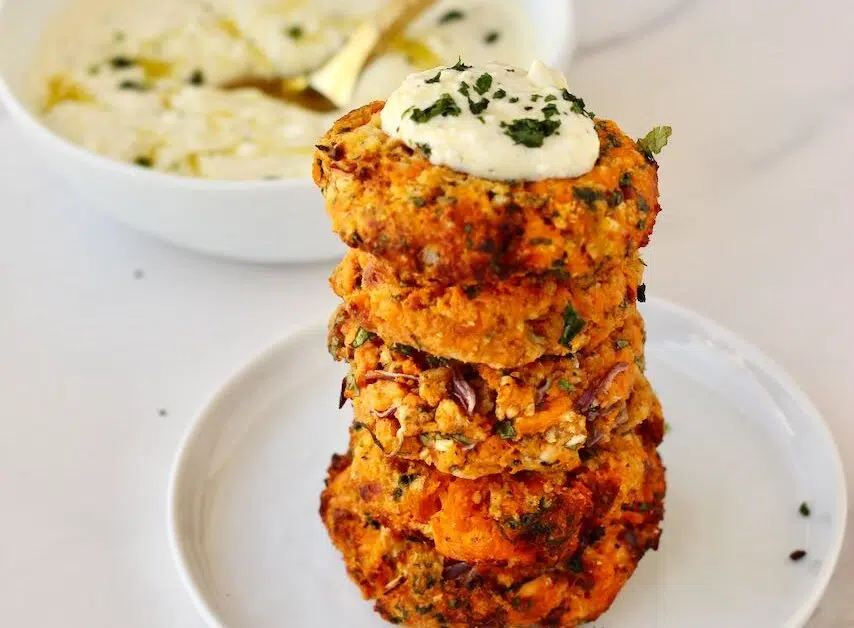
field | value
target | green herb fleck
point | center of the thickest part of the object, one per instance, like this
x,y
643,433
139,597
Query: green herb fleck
x,y
197,77
295,31
550,110
436,78
577,104
565,386
478,107
362,336
491,37
652,143
535,97
586,195
621,343
483,83
119,36
642,293
804,510
626,179
121,62
133,85
425,148
513,99
550,98
453,15
445,106
505,429
143,161
530,132
538,241
462,439
459,66
572,325
499,94
404,349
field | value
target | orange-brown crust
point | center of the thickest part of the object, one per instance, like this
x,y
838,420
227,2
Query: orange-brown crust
x,y
500,324
520,519
529,418
432,223
413,583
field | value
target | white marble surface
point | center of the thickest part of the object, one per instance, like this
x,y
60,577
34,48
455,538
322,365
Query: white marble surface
x,y
757,187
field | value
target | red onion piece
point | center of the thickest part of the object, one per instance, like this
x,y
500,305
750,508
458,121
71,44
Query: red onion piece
x,y
385,413
586,400
541,391
464,393
373,376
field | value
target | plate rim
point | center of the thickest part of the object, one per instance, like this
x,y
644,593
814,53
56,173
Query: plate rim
x,y
248,368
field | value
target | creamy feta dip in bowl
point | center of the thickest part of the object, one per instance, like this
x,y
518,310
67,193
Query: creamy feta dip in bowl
x,y
122,100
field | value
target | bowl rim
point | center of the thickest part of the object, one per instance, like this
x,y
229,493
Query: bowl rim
x,y
25,118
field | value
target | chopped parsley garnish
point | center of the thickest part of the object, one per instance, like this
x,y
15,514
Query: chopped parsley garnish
x,y
425,148
514,99
572,325
436,78
445,106
483,83
621,343
535,97
550,98
362,336
642,293
143,161
454,15
459,66
587,195
295,32
652,143
625,179
197,77
464,89
550,110
565,386
134,85
491,37
478,107
577,104
529,108
530,132
121,62
404,349
804,510
499,94
505,429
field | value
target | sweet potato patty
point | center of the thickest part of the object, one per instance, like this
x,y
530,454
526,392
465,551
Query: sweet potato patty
x,y
415,582
475,420
432,223
500,324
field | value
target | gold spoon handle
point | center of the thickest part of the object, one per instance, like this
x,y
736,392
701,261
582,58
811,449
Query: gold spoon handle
x,y
337,78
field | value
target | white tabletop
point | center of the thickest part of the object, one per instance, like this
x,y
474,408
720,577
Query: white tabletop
x,y
111,342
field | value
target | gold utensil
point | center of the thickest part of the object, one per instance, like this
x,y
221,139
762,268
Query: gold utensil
x,y
331,86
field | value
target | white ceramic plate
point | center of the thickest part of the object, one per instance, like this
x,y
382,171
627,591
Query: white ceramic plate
x,y
745,449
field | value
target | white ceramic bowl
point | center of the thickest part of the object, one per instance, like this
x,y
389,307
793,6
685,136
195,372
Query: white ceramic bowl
x,y
258,221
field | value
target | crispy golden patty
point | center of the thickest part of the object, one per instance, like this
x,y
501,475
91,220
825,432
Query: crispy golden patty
x,y
432,223
499,324
415,581
475,420
519,519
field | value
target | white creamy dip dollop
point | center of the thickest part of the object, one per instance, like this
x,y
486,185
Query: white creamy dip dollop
x,y
495,121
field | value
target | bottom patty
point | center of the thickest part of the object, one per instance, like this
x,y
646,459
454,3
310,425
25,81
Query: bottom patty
x,y
413,583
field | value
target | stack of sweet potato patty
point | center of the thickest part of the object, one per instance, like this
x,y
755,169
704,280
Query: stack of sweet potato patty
x,y
502,468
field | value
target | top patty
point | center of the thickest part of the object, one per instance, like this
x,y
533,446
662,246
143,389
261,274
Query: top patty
x,y
435,224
